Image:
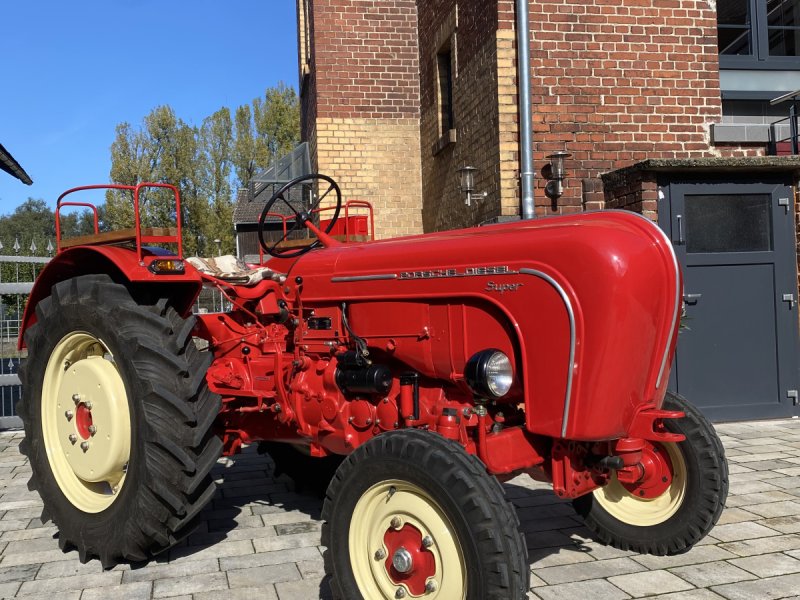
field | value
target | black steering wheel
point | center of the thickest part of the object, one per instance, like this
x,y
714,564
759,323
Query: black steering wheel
x,y
301,217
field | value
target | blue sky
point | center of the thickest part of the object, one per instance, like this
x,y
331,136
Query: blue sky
x,y
73,70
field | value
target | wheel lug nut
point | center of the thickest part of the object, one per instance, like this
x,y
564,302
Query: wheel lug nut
x,y
76,398
88,405
400,593
73,438
430,586
84,446
396,523
92,429
69,414
380,554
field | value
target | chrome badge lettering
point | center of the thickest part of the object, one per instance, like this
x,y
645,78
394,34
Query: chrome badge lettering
x,y
467,272
502,287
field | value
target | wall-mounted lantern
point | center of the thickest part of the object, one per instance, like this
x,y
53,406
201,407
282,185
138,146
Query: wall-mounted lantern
x,y
555,185
467,184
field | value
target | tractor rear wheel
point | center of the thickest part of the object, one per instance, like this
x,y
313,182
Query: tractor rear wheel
x,y
117,420
411,514
680,516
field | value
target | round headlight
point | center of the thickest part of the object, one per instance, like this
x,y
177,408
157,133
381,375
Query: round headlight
x,y
489,372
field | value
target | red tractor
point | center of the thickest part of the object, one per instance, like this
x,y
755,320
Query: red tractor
x,y
407,376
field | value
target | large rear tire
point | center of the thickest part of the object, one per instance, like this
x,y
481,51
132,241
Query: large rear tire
x,y
411,514
685,512
117,420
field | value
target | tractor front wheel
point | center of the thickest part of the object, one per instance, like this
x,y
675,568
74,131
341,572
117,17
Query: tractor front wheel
x,y
410,514
684,511
117,420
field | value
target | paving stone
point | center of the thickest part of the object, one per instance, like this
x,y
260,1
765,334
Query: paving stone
x,y
784,524
763,589
306,589
649,583
8,590
758,498
779,543
29,558
70,568
769,565
713,573
310,569
269,558
742,531
697,555
292,528
19,573
28,534
752,487
588,570
175,586
251,593
260,575
128,591
775,509
157,570
78,582
736,515
195,553
688,595
285,542
596,589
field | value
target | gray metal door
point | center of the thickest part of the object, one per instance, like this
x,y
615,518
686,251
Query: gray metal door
x,y
737,355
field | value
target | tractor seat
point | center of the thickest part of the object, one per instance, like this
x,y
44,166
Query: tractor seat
x,y
233,270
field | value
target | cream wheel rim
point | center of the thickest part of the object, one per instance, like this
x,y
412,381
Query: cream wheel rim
x,y
86,422
391,505
622,504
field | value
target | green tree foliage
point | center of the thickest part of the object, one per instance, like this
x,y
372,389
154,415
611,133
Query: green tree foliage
x,y
206,163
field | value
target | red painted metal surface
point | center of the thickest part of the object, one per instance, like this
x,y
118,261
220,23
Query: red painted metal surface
x,y
586,307
136,189
423,561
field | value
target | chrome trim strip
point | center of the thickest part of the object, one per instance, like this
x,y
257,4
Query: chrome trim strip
x,y
677,293
572,340
363,278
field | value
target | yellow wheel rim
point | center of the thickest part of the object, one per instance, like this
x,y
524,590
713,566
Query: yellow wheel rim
x,y
86,422
392,505
645,512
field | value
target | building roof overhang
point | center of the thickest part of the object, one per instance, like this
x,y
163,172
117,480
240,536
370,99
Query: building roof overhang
x,y
12,167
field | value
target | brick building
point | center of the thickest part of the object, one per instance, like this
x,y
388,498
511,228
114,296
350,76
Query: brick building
x,y
662,105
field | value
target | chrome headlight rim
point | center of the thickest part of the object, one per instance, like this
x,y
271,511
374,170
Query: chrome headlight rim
x,y
477,374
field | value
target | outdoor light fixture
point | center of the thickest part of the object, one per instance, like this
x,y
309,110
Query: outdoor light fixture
x,y
555,185
467,185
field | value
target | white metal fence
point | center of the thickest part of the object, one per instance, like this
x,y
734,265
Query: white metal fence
x,y
17,274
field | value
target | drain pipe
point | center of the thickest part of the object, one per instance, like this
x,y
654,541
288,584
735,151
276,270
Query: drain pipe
x,y
524,92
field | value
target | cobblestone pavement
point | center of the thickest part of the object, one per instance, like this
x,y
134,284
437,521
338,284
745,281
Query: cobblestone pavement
x,y
261,539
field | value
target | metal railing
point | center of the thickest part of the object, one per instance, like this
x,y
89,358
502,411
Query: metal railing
x,y
793,140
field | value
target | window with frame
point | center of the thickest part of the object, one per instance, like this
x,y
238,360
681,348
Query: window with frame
x,y
758,33
444,72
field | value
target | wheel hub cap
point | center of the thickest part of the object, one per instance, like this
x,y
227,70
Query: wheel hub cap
x,y
411,563
86,421
402,561
651,500
402,544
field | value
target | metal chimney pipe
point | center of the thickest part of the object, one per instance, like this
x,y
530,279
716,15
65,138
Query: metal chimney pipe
x,y
524,91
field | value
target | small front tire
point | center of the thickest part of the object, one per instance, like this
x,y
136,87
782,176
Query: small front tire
x,y
411,514
685,512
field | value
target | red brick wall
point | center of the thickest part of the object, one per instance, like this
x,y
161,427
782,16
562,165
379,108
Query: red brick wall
x,y
620,81
365,58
